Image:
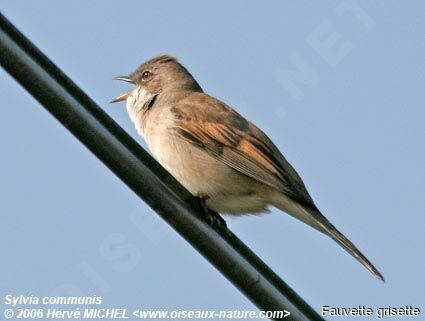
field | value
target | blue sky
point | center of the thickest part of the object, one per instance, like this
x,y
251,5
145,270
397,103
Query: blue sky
x,y
338,86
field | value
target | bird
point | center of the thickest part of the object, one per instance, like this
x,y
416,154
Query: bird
x,y
215,153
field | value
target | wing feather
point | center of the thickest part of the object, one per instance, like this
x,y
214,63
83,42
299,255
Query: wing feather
x,y
229,148
229,137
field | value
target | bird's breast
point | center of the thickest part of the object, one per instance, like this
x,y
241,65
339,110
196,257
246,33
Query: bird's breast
x,y
198,171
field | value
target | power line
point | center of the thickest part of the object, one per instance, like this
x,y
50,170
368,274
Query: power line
x,y
139,171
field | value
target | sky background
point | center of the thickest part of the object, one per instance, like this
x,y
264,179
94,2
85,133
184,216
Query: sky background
x,y
340,88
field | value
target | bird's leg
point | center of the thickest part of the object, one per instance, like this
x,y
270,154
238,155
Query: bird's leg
x,y
213,219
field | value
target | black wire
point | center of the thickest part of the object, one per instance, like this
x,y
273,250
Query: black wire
x,y
139,171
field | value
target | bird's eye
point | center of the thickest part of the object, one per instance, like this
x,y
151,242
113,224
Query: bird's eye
x,y
146,75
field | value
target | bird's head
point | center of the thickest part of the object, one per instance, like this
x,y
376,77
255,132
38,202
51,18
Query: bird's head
x,y
158,75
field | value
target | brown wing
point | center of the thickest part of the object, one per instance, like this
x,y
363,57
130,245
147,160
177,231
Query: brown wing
x,y
213,126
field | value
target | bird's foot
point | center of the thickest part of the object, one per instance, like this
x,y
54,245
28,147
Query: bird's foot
x,y
213,219
216,221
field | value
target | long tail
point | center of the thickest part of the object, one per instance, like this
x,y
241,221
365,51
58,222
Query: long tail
x,y
316,219
350,247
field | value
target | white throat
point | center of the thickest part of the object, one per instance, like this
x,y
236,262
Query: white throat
x,y
135,102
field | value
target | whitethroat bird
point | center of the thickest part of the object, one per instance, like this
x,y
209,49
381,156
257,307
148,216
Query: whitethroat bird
x,y
215,153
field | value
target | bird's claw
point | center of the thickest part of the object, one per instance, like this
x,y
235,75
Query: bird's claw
x,y
213,219
216,221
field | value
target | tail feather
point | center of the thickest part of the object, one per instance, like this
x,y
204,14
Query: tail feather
x,y
347,245
315,219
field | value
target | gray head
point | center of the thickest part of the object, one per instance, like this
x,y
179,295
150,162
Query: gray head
x,y
158,75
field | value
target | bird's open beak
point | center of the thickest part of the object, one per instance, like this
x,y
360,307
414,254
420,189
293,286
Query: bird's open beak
x,y
123,96
126,79
120,98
